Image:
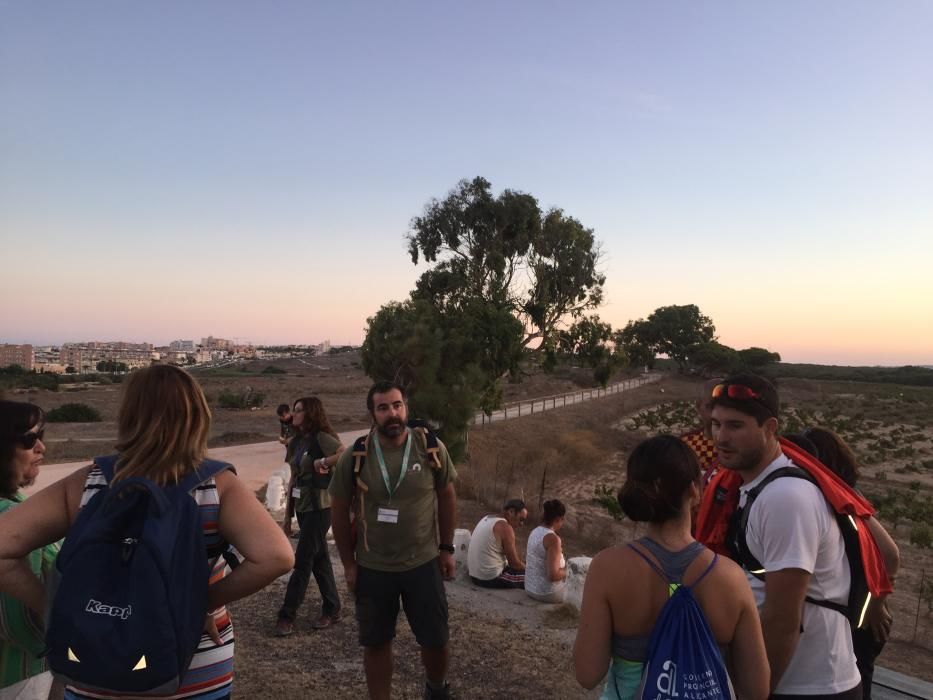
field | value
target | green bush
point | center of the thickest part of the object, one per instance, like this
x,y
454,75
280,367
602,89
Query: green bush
x,y
274,370
240,399
921,535
73,413
605,496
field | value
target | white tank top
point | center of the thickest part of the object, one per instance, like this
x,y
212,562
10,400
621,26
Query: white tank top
x,y
536,574
485,558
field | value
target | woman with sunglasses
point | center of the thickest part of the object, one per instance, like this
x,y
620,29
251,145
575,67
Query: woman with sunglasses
x,y
623,594
162,426
22,673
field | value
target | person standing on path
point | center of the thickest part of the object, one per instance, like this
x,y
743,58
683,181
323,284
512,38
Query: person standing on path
x,y
792,532
311,453
399,486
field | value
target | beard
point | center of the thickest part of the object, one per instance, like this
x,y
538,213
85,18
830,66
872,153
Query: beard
x,y
744,461
392,428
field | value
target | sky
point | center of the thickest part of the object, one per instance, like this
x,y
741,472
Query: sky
x,y
249,170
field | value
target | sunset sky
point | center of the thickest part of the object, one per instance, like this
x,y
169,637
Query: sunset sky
x,y
248,170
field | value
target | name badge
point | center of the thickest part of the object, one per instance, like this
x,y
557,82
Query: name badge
x,y
387,515
296,492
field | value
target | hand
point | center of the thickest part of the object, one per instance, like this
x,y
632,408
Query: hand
x,y
210,627
349,573
287,526
448,565
879,619
321,467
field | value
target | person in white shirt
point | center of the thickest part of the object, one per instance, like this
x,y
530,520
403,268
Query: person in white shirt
x,y
493,560
793,533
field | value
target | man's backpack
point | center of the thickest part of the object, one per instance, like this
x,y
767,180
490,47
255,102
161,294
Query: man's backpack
x,y
422,432
683,659
868,575
131,598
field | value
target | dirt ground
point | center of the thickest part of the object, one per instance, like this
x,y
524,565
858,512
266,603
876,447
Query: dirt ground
x,y
497,651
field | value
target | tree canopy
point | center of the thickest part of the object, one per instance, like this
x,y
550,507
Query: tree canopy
x,y
669,330
503,250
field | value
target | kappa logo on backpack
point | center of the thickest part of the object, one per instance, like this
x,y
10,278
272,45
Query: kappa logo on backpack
x,y
683,662
130,586
868,576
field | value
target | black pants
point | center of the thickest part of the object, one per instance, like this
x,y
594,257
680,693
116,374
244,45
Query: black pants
x,y
866,651
311,557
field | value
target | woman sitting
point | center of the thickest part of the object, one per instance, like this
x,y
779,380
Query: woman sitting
x,y
545,569
623,594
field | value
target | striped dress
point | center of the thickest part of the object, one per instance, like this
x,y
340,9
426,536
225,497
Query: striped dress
x,y
210,675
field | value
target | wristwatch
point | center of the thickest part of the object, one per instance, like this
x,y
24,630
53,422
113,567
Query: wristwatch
x,y
449,548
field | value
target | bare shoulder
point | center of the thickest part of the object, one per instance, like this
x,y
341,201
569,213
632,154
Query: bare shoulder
x,y
226,480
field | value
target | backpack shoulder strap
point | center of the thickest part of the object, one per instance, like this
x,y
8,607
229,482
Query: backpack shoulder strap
x,y
359,459
706,571
653,565
106,464
429,444
738,542
204,471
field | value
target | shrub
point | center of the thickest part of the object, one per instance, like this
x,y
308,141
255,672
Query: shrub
x,y
73,413
605,496
921,535
274,370
241,399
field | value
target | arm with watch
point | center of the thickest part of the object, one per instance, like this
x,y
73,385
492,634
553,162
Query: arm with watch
x,y
446,520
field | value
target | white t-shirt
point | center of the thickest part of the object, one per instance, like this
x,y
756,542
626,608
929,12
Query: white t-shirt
x,y
791,526
485,557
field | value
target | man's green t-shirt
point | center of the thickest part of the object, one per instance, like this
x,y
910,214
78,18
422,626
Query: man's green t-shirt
x,y
302,452
412,540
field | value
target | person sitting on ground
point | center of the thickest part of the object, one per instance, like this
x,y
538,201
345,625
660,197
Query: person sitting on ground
x,y
622,596
23,671
545,568
493,560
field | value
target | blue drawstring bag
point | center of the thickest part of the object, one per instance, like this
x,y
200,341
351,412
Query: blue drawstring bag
x,y
683,662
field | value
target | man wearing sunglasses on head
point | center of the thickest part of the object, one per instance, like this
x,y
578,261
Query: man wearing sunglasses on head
x,y
792,532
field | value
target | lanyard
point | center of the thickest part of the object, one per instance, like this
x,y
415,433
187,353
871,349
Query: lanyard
x,y
382,464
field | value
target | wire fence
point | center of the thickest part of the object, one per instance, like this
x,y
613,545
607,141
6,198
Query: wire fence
x,y
540,404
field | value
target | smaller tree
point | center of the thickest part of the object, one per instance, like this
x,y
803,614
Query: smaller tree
x,y
670,330
757,359
589,341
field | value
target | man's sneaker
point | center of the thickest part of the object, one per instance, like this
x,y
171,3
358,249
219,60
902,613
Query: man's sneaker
x,y
283,628
442,694
325,621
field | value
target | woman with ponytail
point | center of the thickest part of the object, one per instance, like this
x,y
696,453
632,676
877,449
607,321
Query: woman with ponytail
x,y
623,597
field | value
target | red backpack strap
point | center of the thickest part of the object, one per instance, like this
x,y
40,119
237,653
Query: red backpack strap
x,y
719,502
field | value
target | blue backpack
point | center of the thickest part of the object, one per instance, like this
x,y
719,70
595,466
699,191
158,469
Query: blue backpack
x,y
130,597
683,657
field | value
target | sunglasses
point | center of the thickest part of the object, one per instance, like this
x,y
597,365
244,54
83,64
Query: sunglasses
x,y
739,392
29,440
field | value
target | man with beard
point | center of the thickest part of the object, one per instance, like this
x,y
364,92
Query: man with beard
x,y
400,489
792,531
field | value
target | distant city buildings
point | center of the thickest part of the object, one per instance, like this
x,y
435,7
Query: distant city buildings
x,y
84,358
21,355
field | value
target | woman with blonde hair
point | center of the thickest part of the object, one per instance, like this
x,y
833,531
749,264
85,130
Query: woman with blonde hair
x,y
311,453
163,427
